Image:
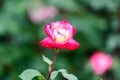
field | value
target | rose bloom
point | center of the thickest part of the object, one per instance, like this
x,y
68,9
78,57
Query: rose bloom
x,y
101,62
60,35
43,13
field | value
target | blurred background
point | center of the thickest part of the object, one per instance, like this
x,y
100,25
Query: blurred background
x,y
22,27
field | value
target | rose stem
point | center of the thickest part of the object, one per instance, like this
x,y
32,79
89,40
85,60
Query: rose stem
x,y
53,63
100,78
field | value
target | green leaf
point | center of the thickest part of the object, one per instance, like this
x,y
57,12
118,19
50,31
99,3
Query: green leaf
x,y
64,73
40,77
54,75
67,76
47,60
29,74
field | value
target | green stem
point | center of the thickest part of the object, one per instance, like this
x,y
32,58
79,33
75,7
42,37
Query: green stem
x,y
53,63
100,78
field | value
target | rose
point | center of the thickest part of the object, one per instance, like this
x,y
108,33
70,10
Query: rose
x,y
101,62
43,13
60,35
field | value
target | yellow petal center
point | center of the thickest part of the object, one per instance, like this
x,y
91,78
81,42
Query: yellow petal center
x,y
63,36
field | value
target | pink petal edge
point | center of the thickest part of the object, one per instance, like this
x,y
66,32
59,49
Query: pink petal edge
x,y
61,45
70,27
48,31
73,32
49,43
64,21
46,43
72,44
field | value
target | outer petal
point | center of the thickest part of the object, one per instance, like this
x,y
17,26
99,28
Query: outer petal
x,y
72,45
66,24
60,45
49,32
49,43
64,21
46,43
73,32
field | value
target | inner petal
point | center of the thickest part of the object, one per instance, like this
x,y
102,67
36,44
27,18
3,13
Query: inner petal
x,y
59,37
65,33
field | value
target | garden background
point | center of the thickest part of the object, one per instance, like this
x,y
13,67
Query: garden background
x,y
22,27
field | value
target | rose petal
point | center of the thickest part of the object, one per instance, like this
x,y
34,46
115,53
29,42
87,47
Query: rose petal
x,y
46,43
69,27
64,22
60,45
53,25
72,44
48,32
73,31
49,43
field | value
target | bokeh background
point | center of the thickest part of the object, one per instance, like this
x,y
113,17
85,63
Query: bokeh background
x,y
22,27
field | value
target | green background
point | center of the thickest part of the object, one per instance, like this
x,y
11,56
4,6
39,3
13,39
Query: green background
x,y
96,22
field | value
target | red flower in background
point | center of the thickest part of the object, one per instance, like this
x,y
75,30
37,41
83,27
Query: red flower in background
x,y
60,35
101,62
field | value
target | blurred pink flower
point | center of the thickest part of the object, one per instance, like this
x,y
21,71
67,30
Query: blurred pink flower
x,y
42,14
101,62
60,35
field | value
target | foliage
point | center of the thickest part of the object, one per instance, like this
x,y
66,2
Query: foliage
x,y
29,74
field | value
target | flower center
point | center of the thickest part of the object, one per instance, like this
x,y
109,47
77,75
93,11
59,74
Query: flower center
x,y
61,35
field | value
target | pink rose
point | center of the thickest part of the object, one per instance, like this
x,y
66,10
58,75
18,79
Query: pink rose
x,y
43,13
101,62
60,35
